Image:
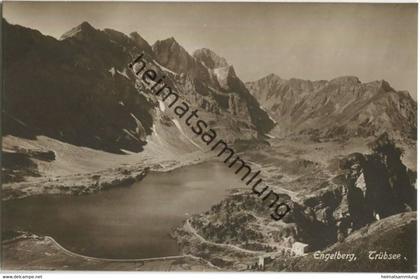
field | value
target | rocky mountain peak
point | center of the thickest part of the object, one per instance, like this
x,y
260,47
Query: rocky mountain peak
x,y
139,40
343,107
206,80
172,55
272,79
345,80
141,43
384,85
82,30
167,43
272,76
209,58
86,26
225,76
87,80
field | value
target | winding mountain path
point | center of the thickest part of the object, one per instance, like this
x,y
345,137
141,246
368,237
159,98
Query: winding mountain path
x,y
192,230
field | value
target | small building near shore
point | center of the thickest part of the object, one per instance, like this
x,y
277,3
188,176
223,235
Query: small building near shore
x,y
300,248
261,262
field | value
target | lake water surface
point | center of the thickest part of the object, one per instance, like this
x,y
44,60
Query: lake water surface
x,y
124,222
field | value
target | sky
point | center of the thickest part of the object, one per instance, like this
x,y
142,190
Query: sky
x,y
308,41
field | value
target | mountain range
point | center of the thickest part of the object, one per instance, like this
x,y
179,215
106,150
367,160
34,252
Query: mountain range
x,y
340,108
78,89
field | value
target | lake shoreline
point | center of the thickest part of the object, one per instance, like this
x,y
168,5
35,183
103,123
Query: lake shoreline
x,y
132,205
44,248
90,183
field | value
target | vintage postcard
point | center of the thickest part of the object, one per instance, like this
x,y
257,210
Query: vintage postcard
x,y
198,136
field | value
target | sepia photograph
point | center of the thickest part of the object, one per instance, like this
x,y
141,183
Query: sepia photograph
x,y
209,137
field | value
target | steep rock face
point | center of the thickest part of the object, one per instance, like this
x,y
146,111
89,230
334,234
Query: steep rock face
x,y
174,57
370,187
341,108
378,185
210,59
141,43
209,82
75,90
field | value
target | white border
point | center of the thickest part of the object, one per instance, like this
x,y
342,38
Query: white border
x,y
229,275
